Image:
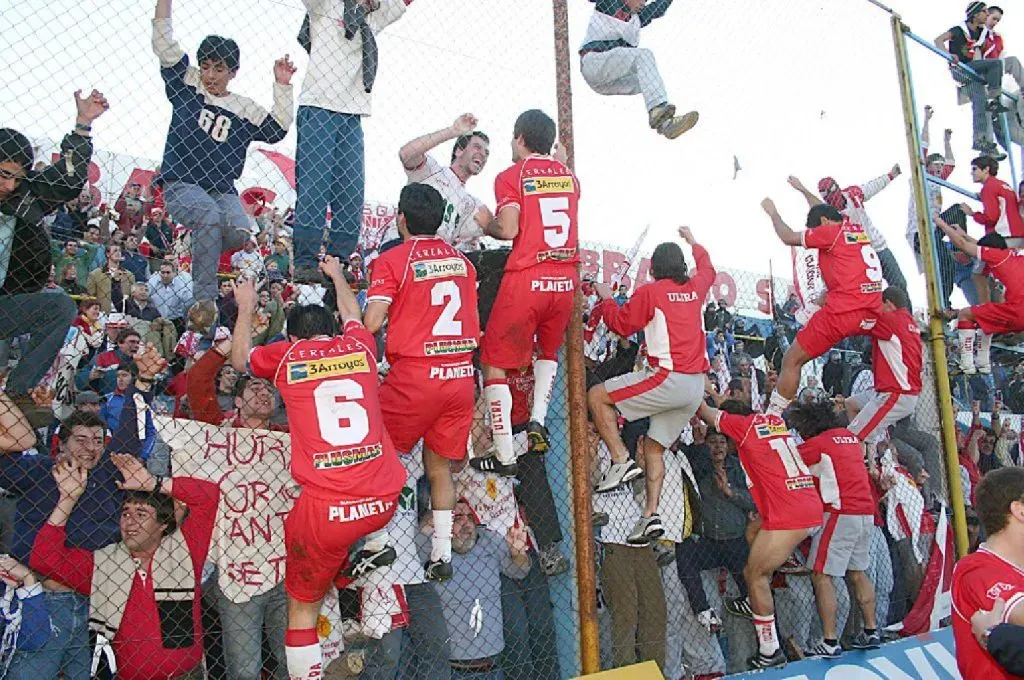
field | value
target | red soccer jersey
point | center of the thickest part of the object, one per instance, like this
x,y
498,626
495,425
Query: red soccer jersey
x,y
1000,211
978,580
849,266
671,316
431,288
330,389
546,194
771,460
836,458
896,353
1008,267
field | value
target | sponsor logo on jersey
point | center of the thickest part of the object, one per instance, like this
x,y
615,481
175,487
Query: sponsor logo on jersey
x,y
549,185
407,499
557,254
855,237
333,460
998,589
766,430
424,270
797,483
451,372
442,347
552,286
873,287
322,369
868,324
350,512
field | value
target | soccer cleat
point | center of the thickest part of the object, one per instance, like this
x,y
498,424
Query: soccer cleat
x,y
366,561
619,474
864,641
659,114
494,465
645,530
599,519
759,660
740,607
438,570
824,650
537,435
709,621
676,126
552,561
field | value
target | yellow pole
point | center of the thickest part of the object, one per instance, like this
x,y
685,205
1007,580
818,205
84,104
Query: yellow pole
x,y
586,560
937,336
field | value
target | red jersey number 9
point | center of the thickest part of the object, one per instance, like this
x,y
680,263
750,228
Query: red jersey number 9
x,y
554,215
874,270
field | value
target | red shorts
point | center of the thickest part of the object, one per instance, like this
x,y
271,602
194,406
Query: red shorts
x,y
825,328
999,317
534,302
782,509
432,400
318,533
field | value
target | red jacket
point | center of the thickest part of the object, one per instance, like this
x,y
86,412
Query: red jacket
x,y
138,644
1000,212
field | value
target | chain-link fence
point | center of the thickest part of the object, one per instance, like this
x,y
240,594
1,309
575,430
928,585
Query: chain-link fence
x,y
185,479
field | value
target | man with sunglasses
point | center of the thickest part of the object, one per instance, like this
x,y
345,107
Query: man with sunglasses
x,y
26,197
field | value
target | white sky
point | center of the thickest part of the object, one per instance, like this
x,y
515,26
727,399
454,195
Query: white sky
x,y
761,72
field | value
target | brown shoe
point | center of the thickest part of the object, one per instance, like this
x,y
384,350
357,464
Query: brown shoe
x,y
678,125
660,114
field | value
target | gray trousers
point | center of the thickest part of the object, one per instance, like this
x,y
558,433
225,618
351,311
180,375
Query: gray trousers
x,y
218,224
47,317
992,71
243,624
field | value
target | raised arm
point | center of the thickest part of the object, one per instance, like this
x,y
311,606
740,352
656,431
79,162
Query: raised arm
x,y
165,47
958,238
241,341
812,198
50,556
348,306
782,230
63,181
413,153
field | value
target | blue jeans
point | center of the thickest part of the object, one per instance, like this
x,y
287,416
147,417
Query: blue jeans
x,y
992,71
417,651
218,224
243,624
67,651
329,171
531,652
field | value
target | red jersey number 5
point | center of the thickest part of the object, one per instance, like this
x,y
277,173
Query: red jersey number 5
x,y
555,217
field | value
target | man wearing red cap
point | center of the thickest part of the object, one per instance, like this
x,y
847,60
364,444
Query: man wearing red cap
x,y
850,202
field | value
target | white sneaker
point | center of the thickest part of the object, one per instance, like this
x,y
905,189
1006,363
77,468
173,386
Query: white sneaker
x,y
709,620
647,529
619,474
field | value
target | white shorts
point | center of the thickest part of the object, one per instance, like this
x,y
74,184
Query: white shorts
x,y
841,544
669,399
879,410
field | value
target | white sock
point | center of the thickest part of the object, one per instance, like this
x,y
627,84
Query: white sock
x,y
544,372
767,637
378,540
984,344
966,336
777,404
305,661
499,406
441,542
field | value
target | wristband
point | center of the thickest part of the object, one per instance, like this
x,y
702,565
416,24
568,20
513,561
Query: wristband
x,y
158,483
148,381
83,127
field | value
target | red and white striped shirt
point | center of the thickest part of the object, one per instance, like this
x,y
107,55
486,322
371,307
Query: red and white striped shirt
x,y
671,316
